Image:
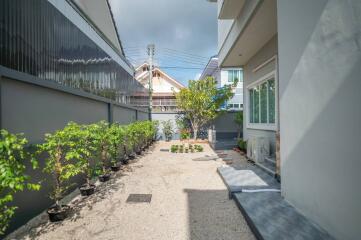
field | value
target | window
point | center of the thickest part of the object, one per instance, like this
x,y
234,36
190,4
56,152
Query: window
x,y
262,103
230,105
234,75
236,105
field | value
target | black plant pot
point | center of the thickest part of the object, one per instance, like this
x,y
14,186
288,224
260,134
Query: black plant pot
x,y
56,215
139,152
125,161
131,156
104,177
115,168
87,190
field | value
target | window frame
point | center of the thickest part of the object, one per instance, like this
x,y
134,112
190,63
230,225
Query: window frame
x,y
259,82
236,73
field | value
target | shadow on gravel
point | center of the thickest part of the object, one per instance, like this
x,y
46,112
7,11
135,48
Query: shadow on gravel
x,y
103,191
211,217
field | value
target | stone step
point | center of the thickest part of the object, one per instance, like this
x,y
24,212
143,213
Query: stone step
x,y
268,167
271,160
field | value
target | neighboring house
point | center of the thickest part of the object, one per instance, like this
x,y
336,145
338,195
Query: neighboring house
x,y
163,87
301,63
60,61
226,76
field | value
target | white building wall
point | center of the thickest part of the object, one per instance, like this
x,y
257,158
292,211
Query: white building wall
x,y
250,77
320,112
238,96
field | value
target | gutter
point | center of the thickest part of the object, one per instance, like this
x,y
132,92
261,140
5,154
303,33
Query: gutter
x,y
100,33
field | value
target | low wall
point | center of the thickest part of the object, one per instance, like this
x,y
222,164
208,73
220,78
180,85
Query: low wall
x,y
35,107
224,125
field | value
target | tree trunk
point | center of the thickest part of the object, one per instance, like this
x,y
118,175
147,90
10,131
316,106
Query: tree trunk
x,y
103,157
195,132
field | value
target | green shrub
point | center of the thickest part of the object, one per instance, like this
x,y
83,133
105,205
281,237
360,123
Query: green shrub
x,y
61,151
167,129
198,148
185,134
116,135
174,148
242,145
12,173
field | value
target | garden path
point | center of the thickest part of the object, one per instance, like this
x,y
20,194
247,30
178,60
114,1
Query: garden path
x,y
189,201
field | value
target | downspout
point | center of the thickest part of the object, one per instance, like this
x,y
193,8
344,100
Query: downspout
x,y
278,136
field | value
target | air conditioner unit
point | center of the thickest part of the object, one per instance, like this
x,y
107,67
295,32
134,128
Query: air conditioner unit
x,y
258,148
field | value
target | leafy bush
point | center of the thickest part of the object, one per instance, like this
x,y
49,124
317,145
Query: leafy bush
x,y
167,129
242,145
102,142
198,148
116,135
61,149
174,148
12,173
185,134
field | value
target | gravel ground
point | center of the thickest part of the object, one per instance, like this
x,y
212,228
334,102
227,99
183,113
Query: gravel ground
x,y
189,201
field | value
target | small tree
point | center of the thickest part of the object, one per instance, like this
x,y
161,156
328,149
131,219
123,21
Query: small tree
x,y
167,129
116,140
238,119
12,173
60,160
101,141
84,149
201,102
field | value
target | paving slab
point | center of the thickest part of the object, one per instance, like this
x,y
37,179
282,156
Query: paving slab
x,y
271,217
257,194
246,177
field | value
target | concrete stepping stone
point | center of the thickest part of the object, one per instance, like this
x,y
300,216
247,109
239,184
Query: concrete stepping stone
x,y
271,217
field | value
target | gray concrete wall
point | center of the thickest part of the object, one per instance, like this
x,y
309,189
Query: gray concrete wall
x,y
123,115
320,113
143,116
158,116
249,77
35,110
225,126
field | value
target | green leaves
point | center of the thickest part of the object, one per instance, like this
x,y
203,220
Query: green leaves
x,y
167,129
75,149
202,100
12,173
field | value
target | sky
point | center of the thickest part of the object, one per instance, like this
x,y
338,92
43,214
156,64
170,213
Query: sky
x,y
184,33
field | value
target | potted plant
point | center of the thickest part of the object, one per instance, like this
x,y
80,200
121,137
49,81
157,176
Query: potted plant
x,y
59,163
155,129
181,148
102,143
116,140
167,130
12,174
242,145
129,144
174,148
84,153
198,148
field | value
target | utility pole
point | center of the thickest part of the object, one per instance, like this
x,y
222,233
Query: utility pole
x,y
150,50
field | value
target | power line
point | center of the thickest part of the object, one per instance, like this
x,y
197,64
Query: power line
x,y
180,67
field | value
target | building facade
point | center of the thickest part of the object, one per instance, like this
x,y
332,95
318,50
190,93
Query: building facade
x,y
301,63
226,76
60,61
163,89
